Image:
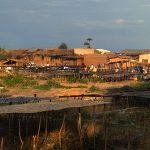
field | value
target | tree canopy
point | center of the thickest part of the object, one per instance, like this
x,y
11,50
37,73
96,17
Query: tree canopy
x,y
87,43
63,46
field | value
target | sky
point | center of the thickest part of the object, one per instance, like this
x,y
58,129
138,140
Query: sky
x,y
112,24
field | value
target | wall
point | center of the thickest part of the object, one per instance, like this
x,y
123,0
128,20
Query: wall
x,y
83,51
144,56
95,59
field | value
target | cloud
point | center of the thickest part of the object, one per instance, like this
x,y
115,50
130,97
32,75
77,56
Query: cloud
x,y
63,3
122,21
94,24
57,3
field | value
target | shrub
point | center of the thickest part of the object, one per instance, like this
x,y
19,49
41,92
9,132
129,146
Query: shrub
x,y
93,89
141,86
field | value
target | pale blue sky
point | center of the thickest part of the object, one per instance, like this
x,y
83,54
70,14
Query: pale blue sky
x,y
112,24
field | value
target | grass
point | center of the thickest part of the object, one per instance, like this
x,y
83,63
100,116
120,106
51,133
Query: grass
x,y
81,86
24,82
141,86
53,84
18,81
84,80
48,85
77,80
97,80
93,89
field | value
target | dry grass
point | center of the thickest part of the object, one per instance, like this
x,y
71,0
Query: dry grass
x,y
76,91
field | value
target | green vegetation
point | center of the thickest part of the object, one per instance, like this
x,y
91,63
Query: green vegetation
x,y
1,84
81,86
63,46
94,80
4,90
4,96
93,89
83,80
141,86
87,43
18,81
77,80
51,84
54,84
48,85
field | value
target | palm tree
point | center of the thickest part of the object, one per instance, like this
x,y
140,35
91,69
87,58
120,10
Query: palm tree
x,y
89,39
88,42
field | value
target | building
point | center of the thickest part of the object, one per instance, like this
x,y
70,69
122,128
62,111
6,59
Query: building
x,y
45,57
122,62
144,59
84,51
95,59
103,51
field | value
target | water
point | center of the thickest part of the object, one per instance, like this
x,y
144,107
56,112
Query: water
x,y
88,128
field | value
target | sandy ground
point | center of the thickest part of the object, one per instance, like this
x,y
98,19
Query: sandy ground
x,y
104,87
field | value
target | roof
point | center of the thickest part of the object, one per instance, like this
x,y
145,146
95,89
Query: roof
x,y
20,53
53,52
12,61
47,106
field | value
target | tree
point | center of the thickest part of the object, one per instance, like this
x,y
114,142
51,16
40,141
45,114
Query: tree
x,y
89,39
63,46
88,42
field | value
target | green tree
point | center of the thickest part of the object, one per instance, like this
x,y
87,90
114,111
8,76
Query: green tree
x,y
63,46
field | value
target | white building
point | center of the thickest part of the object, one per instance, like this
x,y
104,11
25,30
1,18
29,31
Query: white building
x,y
103,51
